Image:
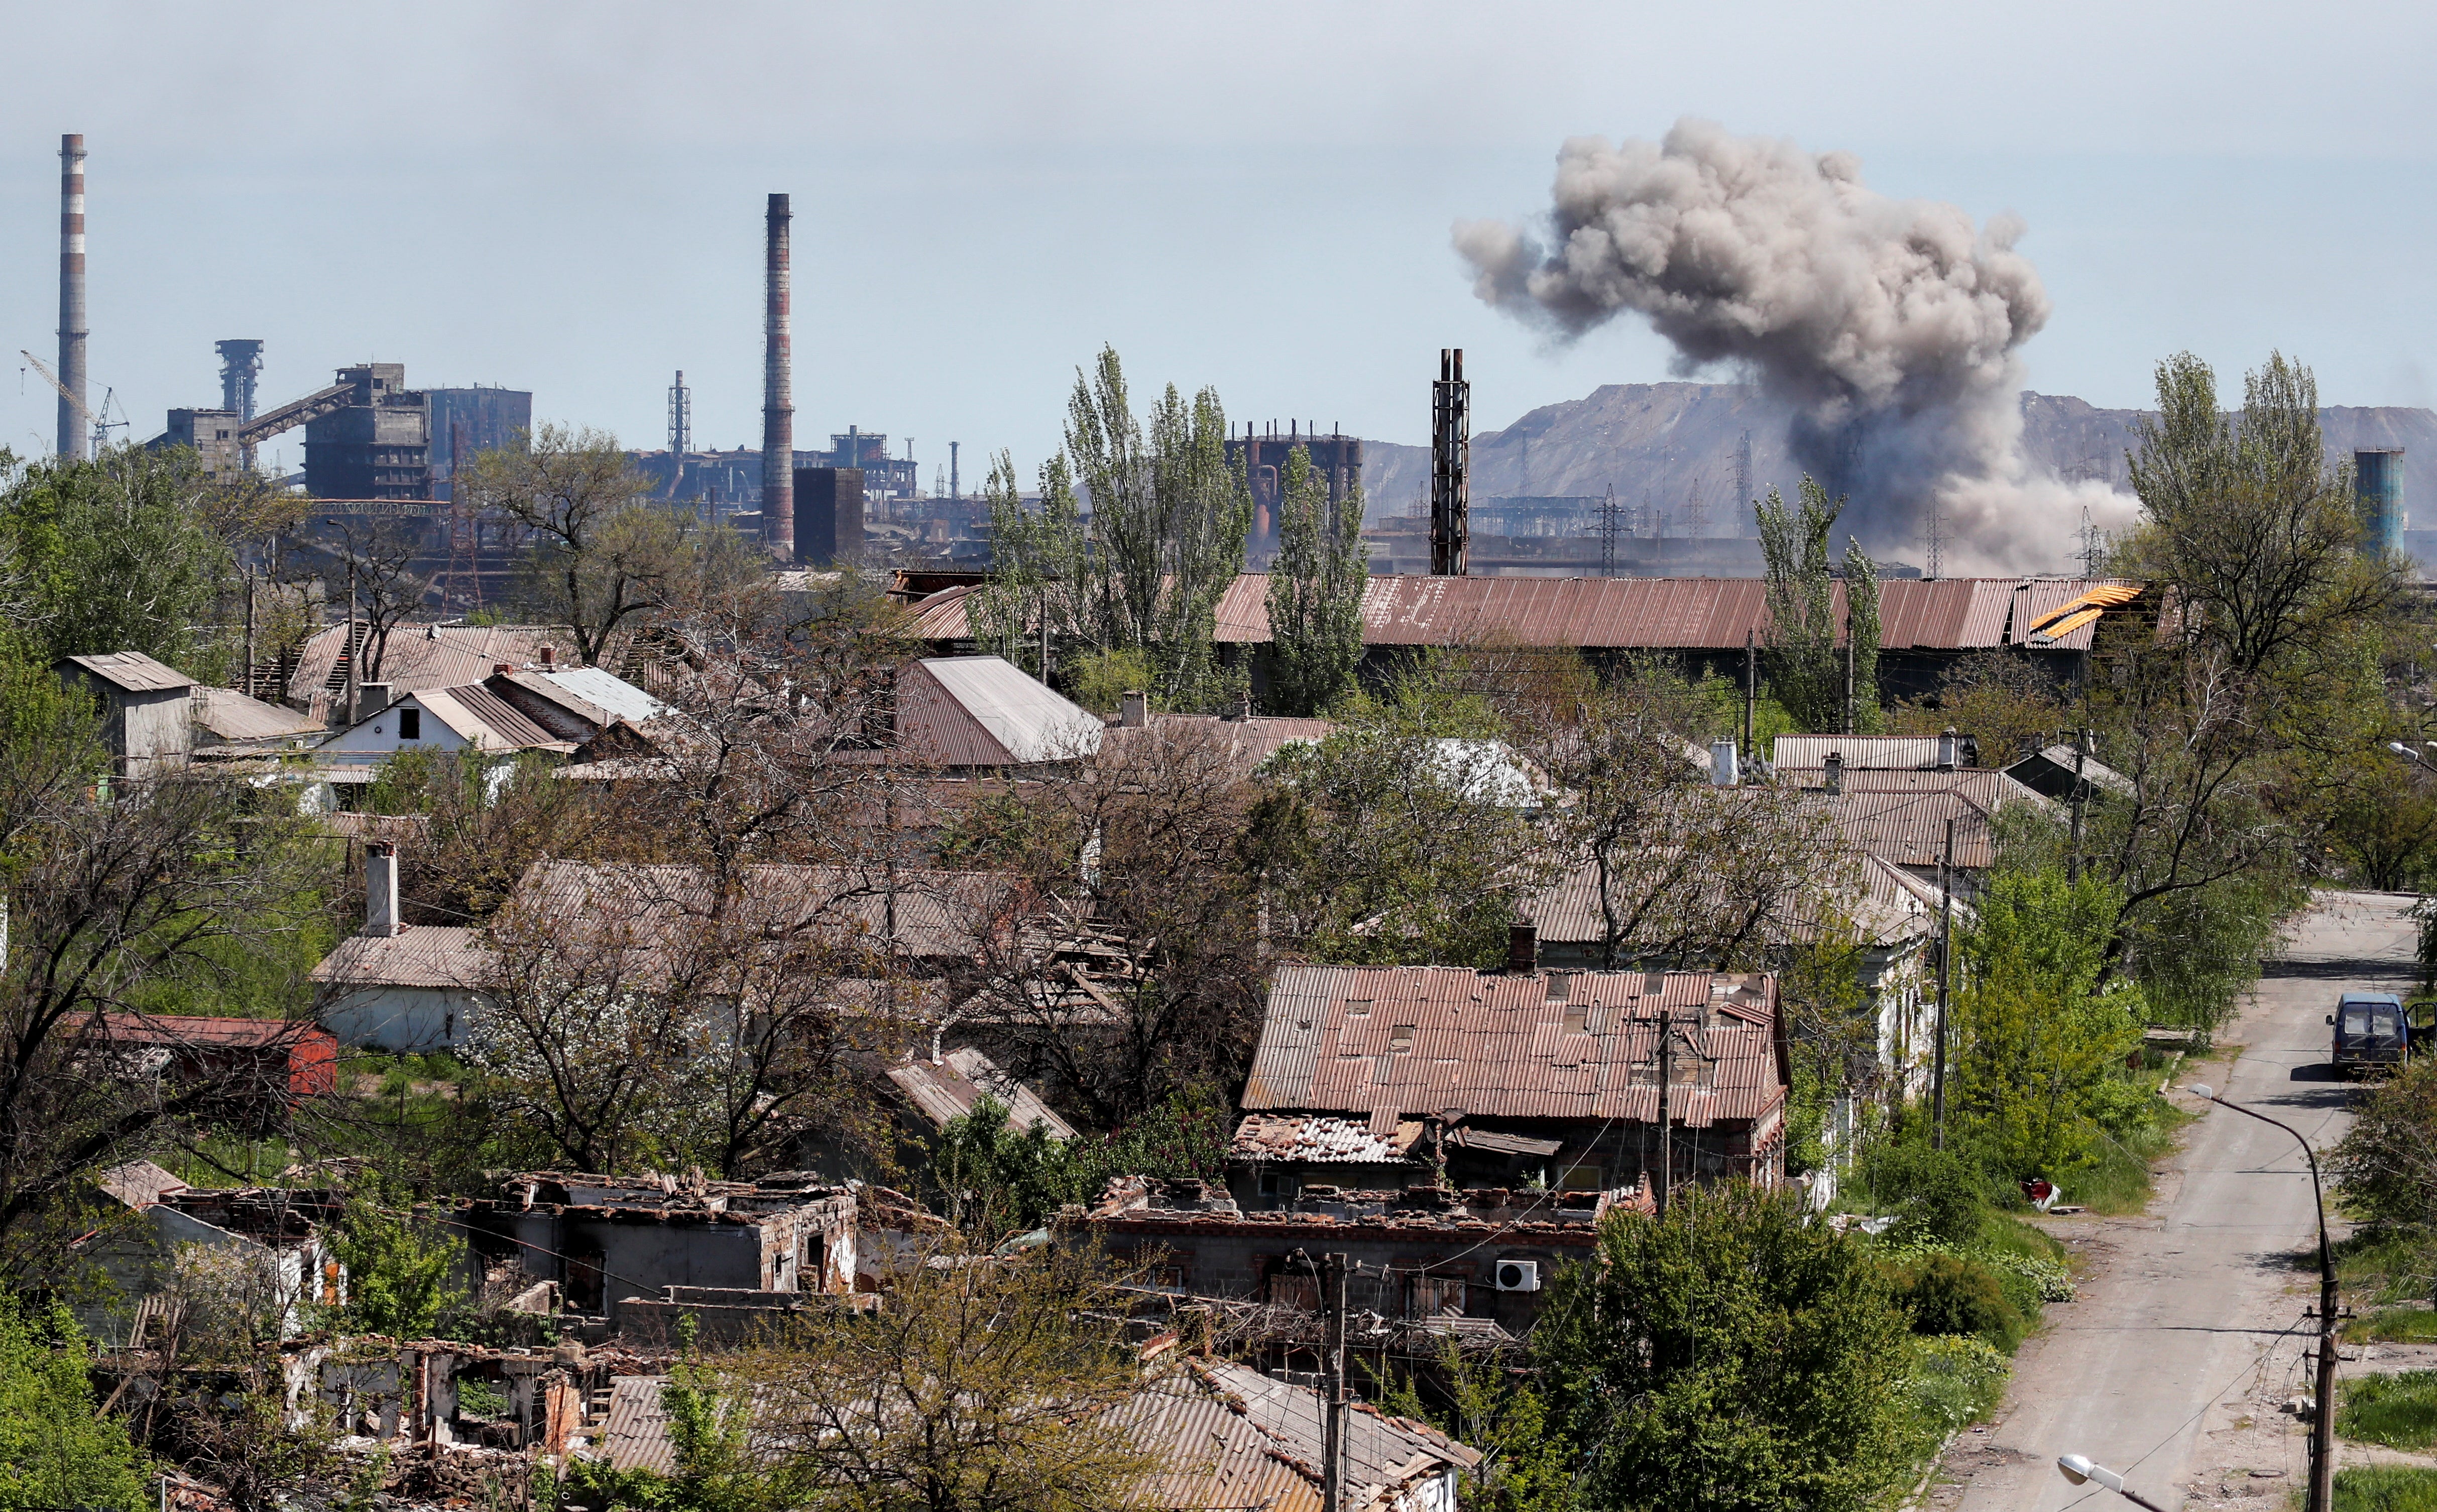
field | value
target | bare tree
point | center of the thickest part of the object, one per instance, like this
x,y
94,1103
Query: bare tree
x,y
114,898
376,558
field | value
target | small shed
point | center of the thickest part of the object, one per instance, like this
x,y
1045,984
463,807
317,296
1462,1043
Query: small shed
x,y
147,717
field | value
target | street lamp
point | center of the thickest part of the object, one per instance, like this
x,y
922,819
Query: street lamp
x,y
2323,1426
2080,1469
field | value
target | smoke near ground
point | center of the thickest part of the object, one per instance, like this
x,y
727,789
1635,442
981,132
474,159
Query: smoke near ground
x,y
1889,328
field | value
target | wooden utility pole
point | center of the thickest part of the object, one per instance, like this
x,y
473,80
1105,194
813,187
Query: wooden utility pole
x,y
1849,679
1945,977
1751,697
1666,1113
1332,1304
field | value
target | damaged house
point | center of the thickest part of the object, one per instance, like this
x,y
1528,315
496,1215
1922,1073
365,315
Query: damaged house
x,y
266,1242
629,1254
1382,1077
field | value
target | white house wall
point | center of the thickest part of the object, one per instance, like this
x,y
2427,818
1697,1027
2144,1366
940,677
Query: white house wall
x,y
400,1020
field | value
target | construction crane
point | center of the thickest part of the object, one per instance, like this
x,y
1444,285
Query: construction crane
x,y
92,422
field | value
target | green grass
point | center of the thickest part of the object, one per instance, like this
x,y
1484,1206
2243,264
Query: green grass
x,y
2386,1488
2383,1270
2394,1326
2004,1231
1951,1380
2120,1183
2399,1411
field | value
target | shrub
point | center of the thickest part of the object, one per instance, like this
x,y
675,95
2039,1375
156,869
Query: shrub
x,y
1953,1381
1937,1195
1949,1293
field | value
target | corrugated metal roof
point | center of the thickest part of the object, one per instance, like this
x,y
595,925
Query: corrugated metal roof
x,y
948,1088
1888,905
936,910
1424,1039
637,1437
425,955
436,656
1008,712
231,715
1909,829
598,688
482,718
236,1033
1250,742
1314,1136
1714,613
1899,753
134,672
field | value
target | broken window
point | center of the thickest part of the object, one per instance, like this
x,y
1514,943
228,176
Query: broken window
x,y
583,1277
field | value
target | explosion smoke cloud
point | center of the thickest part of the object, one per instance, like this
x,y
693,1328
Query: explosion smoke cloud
x,y
1889,328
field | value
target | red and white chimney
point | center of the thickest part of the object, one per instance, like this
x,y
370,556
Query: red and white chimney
x,y
380,890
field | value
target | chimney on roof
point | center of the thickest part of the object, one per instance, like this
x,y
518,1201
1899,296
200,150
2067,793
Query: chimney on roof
x,y
380,889
549,658
1946,749
1836,771
371,698
1133,711
501,669
1724,769
1522,948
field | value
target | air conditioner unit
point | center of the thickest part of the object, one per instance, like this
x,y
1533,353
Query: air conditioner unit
x,y
1518,1276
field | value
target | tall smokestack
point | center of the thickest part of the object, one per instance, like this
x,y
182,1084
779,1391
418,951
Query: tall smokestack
x,y
778,398
1450,463
72,325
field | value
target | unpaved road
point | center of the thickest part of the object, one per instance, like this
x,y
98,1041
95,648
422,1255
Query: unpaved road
x,y
2189,1328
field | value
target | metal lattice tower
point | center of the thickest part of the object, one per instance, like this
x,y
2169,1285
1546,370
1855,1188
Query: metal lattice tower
x,y
1932,541
1607,534
1696,512
2094,545
680,417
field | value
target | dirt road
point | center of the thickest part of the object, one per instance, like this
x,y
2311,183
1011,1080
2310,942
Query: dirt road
x,y
2189,1329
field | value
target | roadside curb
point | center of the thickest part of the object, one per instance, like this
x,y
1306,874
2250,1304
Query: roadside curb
x,y
1921,1487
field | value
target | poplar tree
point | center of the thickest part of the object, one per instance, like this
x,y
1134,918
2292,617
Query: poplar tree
x,y
1805,670
1315,592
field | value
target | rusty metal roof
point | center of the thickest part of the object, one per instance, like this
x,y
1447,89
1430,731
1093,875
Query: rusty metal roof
x,y
984,711
434,656
1696,613
1581,1044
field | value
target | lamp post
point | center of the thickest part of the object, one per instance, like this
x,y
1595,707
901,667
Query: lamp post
x,y
2322,1424
2080,1469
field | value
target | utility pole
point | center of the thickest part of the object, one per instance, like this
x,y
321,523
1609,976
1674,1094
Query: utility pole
x,y
1751,695
1848,676
1666,1112
1945,977
1332,1349
2080,759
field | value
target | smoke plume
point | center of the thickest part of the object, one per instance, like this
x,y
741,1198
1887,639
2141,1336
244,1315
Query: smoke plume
x,y
1890,330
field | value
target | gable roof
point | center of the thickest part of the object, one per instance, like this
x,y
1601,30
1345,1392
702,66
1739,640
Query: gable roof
x,y
1897,753
484,719
1391,1040
593,693
1697,613
424,955
432,655
1225,1436
986,711
1887,902
1909,829
948,1088
133,671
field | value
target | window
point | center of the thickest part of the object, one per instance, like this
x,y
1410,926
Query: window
x,y
410,724
1400,1040
1583,1179
1436,1296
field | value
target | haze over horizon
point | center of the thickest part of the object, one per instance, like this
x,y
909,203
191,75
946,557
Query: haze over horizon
x,y
569,199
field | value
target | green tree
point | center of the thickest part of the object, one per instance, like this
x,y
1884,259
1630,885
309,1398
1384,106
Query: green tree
x,y
2387,1164
120,553
1731,1358
1040,566
55,1449
2043,1029
1862,633
400,1269
1804,669
981,1387
1315,591
599,556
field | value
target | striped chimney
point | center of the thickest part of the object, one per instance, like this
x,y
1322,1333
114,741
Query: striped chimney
x,y
777,398
72,323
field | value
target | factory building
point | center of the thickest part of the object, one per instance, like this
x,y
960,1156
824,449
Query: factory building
x,y
1337,457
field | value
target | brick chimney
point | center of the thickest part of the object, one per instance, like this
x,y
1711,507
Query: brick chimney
x,y
380,890
1133,711
1836,771
549,658
1946,749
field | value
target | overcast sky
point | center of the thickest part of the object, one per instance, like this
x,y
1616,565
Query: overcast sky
x,y
569,198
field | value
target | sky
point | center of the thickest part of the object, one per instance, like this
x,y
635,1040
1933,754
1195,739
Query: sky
x,y
569,198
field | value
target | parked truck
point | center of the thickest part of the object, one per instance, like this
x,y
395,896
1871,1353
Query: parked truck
x,y
2370,1031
